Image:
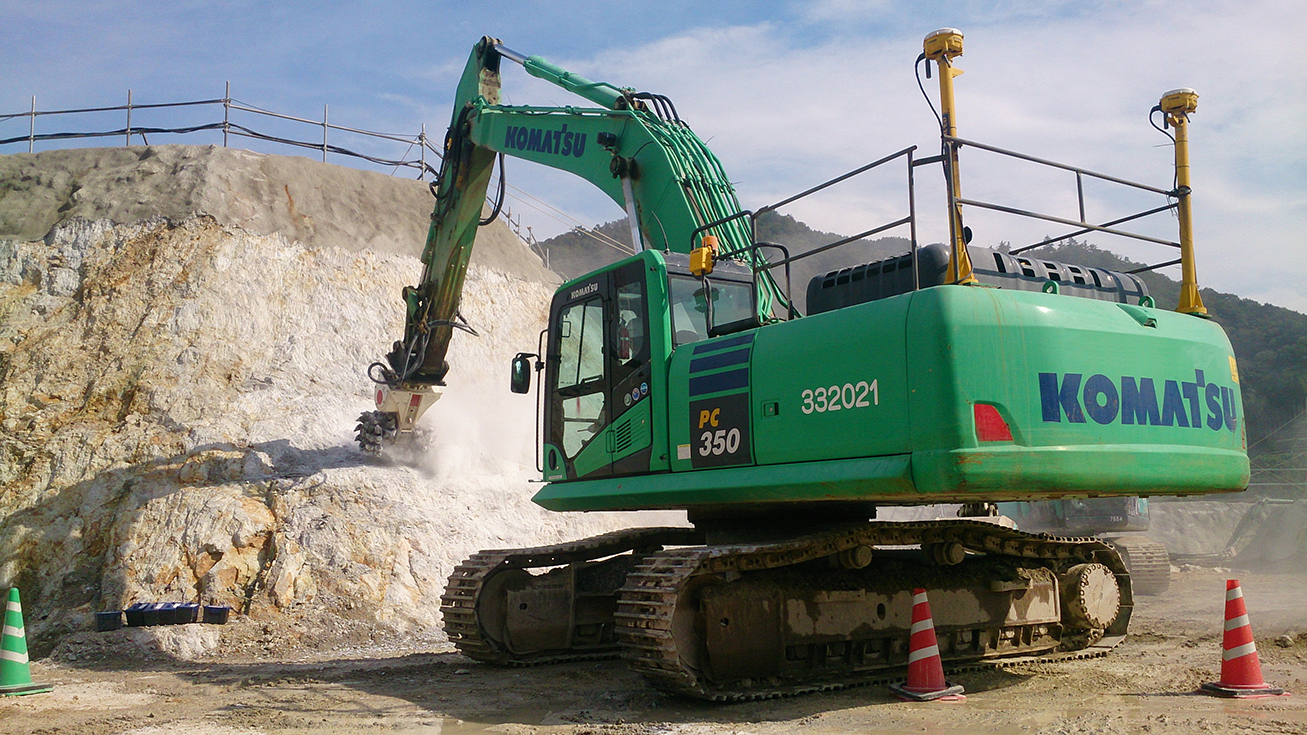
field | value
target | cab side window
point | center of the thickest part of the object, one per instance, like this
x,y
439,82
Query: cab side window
x,y
581,387
631,346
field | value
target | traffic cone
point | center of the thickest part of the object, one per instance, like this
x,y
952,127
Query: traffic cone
x,y
925,668
15,673
1241,670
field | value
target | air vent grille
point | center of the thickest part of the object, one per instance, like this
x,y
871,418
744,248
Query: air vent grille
x,y
622,436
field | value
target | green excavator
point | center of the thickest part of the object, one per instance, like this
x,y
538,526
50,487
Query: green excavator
x,y
684,377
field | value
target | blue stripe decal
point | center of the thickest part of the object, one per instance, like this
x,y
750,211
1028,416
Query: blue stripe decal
x,y
721,359
719,382
743,339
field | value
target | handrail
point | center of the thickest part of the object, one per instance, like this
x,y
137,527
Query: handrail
x,y
910,220
1055,164
1060,220
1177,261
837,243
1051,240
954,144
836,180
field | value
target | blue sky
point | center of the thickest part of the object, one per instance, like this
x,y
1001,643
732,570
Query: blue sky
x,y
788,94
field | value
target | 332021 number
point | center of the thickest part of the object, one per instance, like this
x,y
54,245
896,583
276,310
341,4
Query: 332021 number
x,y
839,397
719,442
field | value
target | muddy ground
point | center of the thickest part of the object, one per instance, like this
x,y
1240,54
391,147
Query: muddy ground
x,y
1145,686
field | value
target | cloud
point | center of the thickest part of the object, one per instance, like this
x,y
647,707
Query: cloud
x,y
783,113
788,95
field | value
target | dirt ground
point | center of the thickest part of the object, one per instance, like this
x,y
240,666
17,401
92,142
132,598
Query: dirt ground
x,y
1145,686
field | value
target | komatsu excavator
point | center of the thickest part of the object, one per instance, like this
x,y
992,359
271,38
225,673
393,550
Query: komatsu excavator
x,y
683,377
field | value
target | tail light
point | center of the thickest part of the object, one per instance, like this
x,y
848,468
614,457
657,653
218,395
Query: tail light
x,y
990,426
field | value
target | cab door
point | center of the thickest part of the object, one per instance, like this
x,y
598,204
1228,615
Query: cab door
x,y
598,415
629,365
578,379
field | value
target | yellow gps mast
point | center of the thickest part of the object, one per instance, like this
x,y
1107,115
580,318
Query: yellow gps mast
x,y
1176,106
941,47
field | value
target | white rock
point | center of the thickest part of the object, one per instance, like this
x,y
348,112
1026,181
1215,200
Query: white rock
x,y
179,426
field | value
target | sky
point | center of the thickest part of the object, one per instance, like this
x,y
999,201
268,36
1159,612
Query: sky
x,y
787,94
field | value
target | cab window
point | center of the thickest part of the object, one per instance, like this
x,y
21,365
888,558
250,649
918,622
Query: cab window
x,y
581,386
632,340
732,301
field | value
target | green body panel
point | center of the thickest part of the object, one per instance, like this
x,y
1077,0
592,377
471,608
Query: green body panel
x,y
1054,367
630,433
849,479
808,354
596,455
981,345
633,431
860,357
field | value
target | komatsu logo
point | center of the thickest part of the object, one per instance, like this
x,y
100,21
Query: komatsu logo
x,y
583,291
559,142
1134,401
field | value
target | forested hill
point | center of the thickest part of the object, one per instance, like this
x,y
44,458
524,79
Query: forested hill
x,y
1270,342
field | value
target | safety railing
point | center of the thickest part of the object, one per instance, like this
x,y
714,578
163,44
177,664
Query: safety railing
x,y
760,264
1082,226
229,127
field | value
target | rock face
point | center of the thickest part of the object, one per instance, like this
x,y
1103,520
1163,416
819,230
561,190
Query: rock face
x,y
177,400
312,203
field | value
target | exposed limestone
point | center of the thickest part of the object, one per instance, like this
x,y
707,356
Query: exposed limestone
x,y
177,401
306,201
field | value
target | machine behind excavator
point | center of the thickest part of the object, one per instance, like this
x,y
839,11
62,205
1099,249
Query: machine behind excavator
x,y
1121,521
683,377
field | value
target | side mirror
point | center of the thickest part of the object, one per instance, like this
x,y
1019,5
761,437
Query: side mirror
x,y
521,377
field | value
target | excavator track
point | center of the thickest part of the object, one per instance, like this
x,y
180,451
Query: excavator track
x,y
662,631
1147,560
464,607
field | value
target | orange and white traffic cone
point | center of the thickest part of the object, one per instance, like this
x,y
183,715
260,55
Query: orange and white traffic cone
x,y
925,668
1241,670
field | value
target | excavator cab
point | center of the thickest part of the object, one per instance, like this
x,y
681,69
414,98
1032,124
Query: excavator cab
x,y
597,374
607,331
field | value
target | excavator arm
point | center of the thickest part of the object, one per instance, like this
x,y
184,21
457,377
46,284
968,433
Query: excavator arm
x,y
633,147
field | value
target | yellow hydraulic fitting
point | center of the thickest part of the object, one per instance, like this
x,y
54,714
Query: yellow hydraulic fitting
x,y
701,258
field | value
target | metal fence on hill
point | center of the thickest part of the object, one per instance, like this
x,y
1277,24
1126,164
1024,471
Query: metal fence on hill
x,y
238,119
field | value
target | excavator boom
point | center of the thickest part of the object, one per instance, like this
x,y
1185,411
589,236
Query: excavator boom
x,y
634,148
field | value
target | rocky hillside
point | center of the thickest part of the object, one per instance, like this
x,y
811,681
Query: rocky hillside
x,y
183,338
